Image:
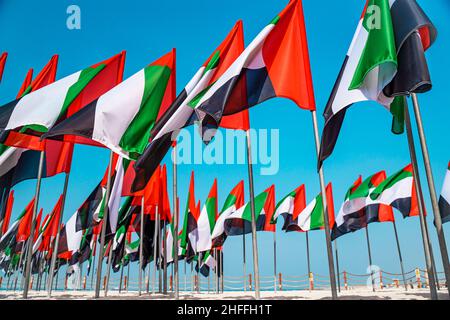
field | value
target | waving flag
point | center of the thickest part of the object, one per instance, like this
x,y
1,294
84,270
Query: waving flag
x,y
358,209
26,83
275,64
8,210
378,64
18,163
164,206
20,138
240,222
444,200
207,220
52,226
290,206
189,237
179,114
70,240
398,191
39,110
122,118
2,63
311,218
25,222
234,201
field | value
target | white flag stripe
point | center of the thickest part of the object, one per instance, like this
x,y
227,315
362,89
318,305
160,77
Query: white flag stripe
x,y
116,109
115,196
204,242
43,106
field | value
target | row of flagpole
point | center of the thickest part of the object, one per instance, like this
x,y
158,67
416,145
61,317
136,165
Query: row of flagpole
x,y
27,251
425,233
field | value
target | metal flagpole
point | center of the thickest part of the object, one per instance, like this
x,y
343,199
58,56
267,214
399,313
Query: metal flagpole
x,y
244,260
103,232
222,281
175,222
199,257
164,254
109,267
121,276
338,273
155,247
33,227
325,213
128,276
252,206
400,255
148,279
159,255
370,258
308,259
425,236
92,266
432,189
216,271
185,275
192,277
55,249
275,260
141,245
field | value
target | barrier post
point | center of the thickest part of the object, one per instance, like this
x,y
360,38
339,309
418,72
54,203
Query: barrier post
x,y
419,283
280,281
311,281
345,280
250,286
381,280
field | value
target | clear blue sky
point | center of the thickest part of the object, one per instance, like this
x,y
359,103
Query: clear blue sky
x,y
33,31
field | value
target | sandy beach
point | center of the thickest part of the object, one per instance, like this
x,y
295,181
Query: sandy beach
x,y
351,294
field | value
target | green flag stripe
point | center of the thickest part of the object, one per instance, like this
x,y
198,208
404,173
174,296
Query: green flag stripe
x,y
137,135
380,45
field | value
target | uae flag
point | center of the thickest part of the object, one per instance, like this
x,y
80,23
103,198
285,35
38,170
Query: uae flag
x,y
88,213
6,214
290,206
180,113
40,110
398,191
358,209
122,118
119,240
24,229
275,64
189,237
385,60
25,84
312,217
131,250
168,245
240,222
444,200
51,226
70,240
19,230
44,78
207,220
19,164
2,63
234,201
205,262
